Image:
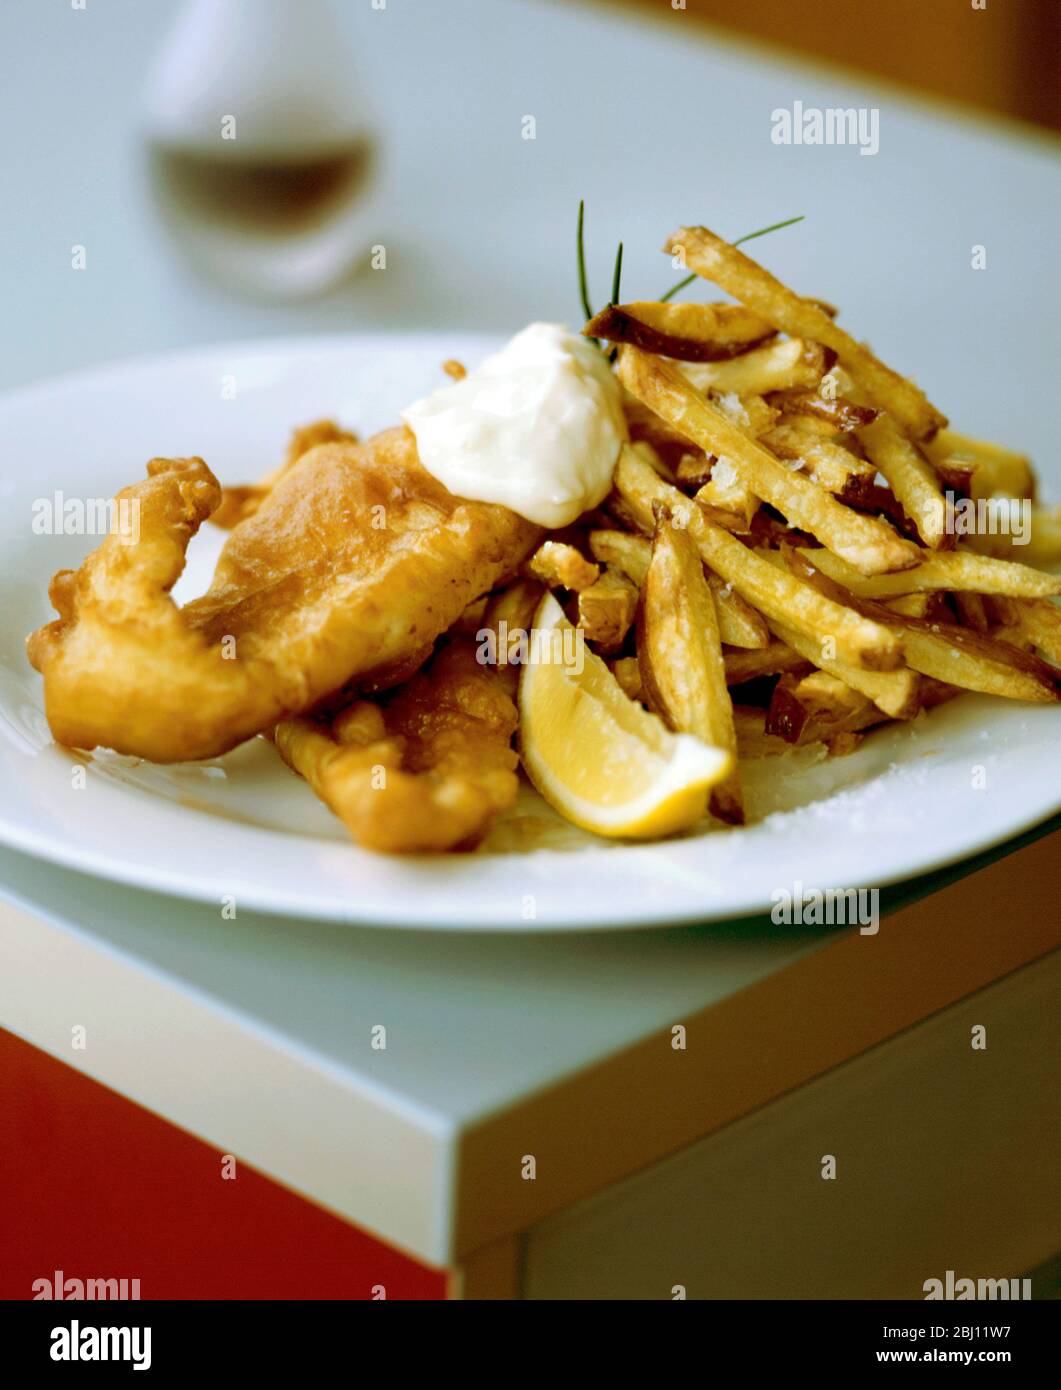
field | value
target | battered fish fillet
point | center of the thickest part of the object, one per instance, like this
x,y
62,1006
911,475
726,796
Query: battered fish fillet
x,y
426,771
240,502
341,582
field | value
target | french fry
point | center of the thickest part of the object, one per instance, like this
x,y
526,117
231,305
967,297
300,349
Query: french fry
x,y
691,332
812,426
1038,622
775,593
866,496
835,412
784,365
1013,637
738,622
913,605
750,413
767,530
606,610
729,268
910,476
971,610
679,652
827,463
995,469
975,662
895,692
652,457
752,739
646,427
627,672
693,470
624,551
955,474
1043,546
810,709
945,651
933,605
934,692
944,569
868,543
557,563
727,497
772,660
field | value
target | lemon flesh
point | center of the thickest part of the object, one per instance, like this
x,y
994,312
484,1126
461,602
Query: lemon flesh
x,y
599,758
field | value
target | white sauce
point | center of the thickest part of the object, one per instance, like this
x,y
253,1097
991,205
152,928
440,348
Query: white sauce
x,y
537,427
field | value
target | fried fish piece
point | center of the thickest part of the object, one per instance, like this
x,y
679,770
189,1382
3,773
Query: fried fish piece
x,y
342,582
242,501
427,769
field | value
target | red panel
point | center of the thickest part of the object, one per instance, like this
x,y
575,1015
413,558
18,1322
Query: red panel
x,y
98,1187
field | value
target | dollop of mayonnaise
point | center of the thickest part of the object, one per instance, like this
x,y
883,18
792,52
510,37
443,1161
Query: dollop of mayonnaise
x,y
536,427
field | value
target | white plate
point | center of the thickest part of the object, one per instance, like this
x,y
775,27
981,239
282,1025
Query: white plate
x,y
243,827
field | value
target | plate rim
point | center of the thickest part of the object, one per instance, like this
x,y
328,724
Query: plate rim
x,y
124,873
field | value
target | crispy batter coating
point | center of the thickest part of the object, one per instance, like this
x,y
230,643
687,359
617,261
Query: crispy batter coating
x,y
242,501
342,582
428,770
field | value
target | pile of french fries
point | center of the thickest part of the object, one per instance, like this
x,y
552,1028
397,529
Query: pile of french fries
x,y
774,566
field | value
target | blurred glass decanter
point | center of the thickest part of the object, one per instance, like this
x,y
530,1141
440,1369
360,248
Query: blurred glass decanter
x,y
261,151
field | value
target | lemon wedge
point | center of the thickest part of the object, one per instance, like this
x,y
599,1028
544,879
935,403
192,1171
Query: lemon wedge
x,y
597,756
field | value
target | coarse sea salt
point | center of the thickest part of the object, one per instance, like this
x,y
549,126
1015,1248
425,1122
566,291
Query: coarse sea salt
x,y
730,405
724,474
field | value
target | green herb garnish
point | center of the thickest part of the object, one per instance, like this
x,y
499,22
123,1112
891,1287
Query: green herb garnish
x,y
582,289
617,275
750,236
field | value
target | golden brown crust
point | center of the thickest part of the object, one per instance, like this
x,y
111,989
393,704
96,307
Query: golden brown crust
x,y
359,561
243,500
426,771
